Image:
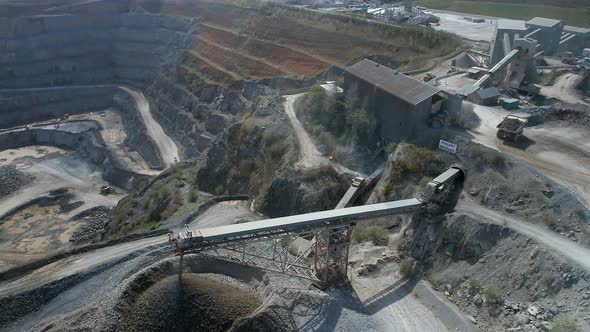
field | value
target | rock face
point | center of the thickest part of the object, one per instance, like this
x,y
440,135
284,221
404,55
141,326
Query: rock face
x,y
294,192
475,257
87,49
87,142
20,107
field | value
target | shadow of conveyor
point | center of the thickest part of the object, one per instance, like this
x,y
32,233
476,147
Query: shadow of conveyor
x,y
390,295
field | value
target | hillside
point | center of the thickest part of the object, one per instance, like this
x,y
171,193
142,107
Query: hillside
x,y
254,40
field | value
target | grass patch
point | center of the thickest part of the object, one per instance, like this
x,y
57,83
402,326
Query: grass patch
x,y
374,233
335,121
493,295
579,16
416,160
407,268
564,324
473,285
486,157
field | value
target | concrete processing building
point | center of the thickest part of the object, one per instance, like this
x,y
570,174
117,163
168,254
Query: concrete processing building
x,y
402,105
547,32
551,36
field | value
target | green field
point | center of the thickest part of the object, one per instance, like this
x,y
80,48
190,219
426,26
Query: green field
x,y
579,16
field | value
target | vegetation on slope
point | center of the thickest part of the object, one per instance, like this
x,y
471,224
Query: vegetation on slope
x,y
575,13
169,195
321,38
335,122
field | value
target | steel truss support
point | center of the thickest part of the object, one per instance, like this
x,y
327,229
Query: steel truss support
x,y
327,262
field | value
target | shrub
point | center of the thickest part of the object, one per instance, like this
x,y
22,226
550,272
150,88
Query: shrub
x,y
493,294
432,208
407,268
375,233
564,324
220,189
494,159
391,147
473,285
193,194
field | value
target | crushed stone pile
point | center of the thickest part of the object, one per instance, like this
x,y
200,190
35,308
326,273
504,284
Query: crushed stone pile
x,y
510,125
12,180
96,221
194,303
539,115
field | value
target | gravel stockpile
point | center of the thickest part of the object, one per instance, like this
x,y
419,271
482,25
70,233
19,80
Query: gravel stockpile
x,y
539,115
12,180
193,303
95,223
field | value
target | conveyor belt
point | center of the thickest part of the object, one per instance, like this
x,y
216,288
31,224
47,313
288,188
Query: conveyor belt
x,y
310,221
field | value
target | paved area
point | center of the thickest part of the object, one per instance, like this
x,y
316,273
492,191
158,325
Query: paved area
x,y
457,24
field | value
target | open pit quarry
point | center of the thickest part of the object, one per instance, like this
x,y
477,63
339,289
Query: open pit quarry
x,y
200,165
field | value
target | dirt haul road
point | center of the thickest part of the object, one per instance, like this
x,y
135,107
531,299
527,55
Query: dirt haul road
x,y
310,156
559,150
564,89
221,214
166,146
560,245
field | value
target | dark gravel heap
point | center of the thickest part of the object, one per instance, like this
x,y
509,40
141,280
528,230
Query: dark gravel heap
x,y
96,221
193,304
543,114
12,180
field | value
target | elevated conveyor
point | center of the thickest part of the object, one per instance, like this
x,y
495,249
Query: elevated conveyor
x,y
267,243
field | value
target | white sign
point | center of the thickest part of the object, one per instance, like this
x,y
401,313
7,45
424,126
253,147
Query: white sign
x,y
447,146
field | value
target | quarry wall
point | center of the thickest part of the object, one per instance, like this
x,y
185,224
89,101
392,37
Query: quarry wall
x,y
43,51
88,143
23,106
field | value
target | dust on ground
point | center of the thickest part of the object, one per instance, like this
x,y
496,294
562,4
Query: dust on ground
x,y
32,231
559,150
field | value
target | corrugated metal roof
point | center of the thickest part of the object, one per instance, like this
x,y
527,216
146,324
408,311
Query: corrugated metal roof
x,y
543,22
488,93
569,28
404,87
506,24
467,89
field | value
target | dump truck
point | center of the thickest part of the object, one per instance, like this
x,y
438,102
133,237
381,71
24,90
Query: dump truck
x,y
511,128
105,190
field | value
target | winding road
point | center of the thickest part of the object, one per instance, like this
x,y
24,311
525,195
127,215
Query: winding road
x,y
166,146
310,156
220,214
564,89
